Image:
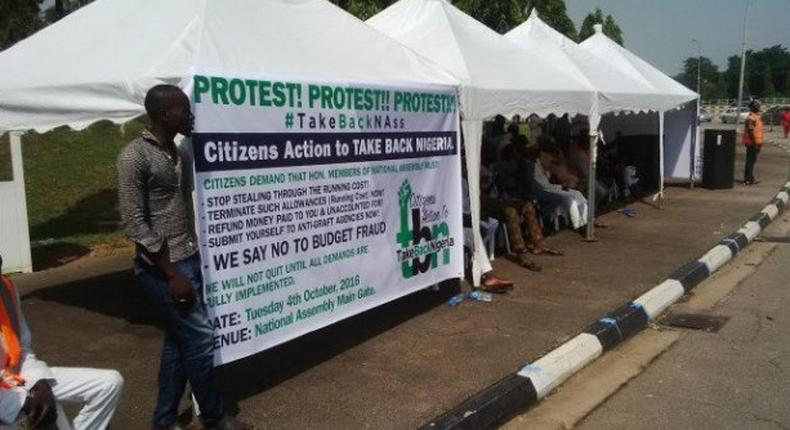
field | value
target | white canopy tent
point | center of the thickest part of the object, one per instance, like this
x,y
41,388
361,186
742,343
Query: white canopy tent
x,y
97,63
66,75
497,77
618,90
609,52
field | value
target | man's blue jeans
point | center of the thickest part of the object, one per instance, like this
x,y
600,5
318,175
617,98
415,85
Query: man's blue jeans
x,y
187,352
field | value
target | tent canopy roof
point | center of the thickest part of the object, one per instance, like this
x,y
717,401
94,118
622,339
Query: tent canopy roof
x,y
497,76
618,90
98,62
609,52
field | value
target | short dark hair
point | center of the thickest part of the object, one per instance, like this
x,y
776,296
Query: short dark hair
x,y
157,97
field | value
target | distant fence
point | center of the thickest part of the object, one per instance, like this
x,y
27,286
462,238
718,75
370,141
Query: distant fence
x,y
717,106
768,101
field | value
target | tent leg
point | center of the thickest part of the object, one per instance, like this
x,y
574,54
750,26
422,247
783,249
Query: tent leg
x,y
473,138
22,239
661,160
591,197
694,144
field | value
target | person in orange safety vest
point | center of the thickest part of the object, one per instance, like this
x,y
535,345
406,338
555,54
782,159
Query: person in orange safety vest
x,y
32,391
753,139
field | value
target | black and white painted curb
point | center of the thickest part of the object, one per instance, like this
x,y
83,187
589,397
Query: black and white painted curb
x,y
520,390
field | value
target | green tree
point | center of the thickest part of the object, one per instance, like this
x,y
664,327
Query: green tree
x,y
786,88
709,77
731,75
499,15
592,18
767,69
610,27
768,88
363,9
553,13
721,88
18,20
62,8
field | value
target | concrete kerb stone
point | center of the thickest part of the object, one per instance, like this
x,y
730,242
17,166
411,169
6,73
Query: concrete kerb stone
x,y
520,390
489,407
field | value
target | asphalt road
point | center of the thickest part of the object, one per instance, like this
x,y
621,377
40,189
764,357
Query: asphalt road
x,y
738,378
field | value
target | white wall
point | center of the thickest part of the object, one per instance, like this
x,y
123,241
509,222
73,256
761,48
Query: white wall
x,y
679,130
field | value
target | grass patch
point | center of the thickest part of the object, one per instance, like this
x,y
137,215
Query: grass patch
x,y
6,169
71,183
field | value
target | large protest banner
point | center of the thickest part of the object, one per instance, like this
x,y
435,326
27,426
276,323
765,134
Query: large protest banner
x,y
319,200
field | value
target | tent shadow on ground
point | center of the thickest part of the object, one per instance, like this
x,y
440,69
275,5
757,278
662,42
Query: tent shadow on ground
x,y
95,213
245,378
114,294
57,254
118,296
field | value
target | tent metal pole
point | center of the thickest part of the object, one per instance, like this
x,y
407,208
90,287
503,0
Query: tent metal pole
x,y
17,166
694,146
661,159
591,197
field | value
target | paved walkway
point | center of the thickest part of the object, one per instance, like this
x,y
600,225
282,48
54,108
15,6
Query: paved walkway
x,y
734,379
399,365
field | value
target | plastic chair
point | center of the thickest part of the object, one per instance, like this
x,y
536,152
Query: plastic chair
x,y
613,193
555,216
502,231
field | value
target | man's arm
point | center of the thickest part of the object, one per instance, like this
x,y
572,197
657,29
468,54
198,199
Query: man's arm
x,y
37,400
132,175
542,179
131,198
749,127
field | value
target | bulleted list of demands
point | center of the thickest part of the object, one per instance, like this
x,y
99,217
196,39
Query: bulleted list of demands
x,y
333,219
303,228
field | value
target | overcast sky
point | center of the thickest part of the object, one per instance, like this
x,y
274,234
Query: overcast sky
x,y
661,31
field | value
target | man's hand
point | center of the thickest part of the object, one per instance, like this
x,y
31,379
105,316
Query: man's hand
x,y
40,407
180,288
179,285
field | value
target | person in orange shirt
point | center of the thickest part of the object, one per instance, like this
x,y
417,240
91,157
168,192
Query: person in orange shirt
x,y
753,139
786,121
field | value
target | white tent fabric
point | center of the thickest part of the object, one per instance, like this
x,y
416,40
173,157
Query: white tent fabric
x,y
618,90
98,62
608,51
497,77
